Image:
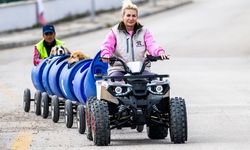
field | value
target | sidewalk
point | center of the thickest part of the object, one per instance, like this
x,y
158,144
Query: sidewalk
x,y
84,25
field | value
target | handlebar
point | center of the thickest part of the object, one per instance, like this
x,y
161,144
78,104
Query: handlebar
x,y
113,59
147,60
152,58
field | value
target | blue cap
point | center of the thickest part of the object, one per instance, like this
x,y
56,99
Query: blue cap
x,y
48,28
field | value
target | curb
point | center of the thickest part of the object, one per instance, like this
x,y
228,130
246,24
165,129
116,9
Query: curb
x,y
5,46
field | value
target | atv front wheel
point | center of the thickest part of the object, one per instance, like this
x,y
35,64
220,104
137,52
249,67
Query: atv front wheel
x,y
100,123
157,131
178,120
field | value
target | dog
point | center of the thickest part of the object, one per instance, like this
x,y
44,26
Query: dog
x,y
77,56
59,51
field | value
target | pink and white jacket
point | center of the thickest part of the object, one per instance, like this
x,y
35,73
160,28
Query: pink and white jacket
x,y
129,46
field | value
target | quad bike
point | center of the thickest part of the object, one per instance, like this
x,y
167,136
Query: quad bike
x,y
135,100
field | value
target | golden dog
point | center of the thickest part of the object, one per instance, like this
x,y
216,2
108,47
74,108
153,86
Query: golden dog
x,y
77,56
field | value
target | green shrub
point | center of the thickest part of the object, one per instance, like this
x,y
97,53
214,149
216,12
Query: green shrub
x,y
9,1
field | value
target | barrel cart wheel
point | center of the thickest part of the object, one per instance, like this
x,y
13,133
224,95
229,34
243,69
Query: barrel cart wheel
x,y
45,105
37,102
80,117
26,100
68,114
55,110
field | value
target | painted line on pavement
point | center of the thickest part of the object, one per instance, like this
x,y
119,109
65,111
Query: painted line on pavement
x,y
23,141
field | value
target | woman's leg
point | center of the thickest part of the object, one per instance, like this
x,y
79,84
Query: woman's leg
x,y
145,72
117,73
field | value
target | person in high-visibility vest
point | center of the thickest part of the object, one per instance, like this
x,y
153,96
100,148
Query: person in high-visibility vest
x,y
42,49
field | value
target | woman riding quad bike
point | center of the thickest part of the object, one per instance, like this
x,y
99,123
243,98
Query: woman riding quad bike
x,y
135,100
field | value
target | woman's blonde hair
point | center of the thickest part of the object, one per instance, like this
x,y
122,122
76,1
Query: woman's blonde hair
x,y
127,4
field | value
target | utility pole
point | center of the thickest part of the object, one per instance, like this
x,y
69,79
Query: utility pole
x,y
154,2
92,10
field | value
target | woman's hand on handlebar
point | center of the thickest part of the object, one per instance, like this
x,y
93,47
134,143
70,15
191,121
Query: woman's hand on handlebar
x,y
105,59
164,55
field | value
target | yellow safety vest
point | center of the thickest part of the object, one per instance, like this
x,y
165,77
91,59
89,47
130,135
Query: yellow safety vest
x,y
42,49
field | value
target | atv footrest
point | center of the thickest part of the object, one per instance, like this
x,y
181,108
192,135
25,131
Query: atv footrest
x,y
150,77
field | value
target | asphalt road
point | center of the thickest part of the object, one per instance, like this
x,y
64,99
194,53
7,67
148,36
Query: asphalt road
x,y
210,59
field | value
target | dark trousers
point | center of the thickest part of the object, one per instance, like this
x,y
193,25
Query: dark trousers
x,y
121,73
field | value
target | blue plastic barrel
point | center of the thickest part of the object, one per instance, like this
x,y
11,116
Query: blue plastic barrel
x,y
53,76
96,67
45,74
66,77
36,76
78,83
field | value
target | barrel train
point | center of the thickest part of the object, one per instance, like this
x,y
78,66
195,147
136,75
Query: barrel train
x,y
64,87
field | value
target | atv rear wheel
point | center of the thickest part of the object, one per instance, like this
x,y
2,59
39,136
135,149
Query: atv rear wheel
x,y
178,120
88,118
140,128
157,131
100,123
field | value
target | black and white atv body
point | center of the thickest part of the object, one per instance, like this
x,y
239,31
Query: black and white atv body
x,y
135,100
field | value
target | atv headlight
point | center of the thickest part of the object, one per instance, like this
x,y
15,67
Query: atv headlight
x,y
118,90
158,88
